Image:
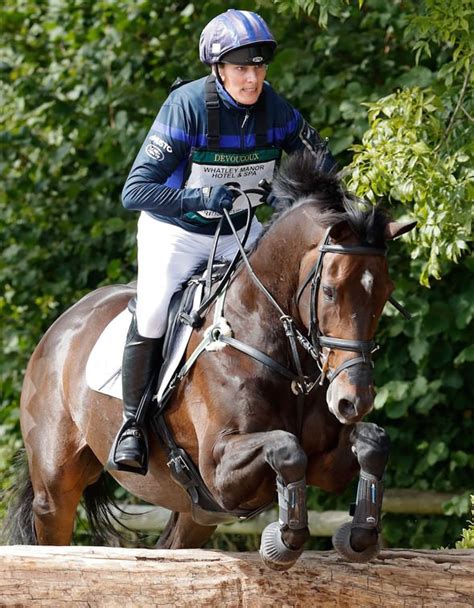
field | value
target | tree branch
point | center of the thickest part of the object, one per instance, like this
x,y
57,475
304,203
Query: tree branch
x,y
450,126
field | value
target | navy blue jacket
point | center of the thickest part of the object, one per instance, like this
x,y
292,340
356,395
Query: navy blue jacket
x,y
155,183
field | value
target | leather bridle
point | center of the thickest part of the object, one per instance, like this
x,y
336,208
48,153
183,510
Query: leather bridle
x,y
320,341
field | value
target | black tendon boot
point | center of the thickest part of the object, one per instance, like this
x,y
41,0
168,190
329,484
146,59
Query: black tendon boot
x,y
142,359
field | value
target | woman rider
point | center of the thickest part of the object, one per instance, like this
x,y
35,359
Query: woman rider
x,y
227,128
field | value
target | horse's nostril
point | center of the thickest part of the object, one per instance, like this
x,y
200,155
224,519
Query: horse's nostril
x,y
347,409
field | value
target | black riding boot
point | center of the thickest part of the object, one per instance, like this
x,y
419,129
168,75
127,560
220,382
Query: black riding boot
x,y
142,360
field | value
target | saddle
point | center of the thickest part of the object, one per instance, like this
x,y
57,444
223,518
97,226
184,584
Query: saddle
x,y
182,320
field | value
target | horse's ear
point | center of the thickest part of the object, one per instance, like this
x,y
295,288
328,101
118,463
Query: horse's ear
x,y
340,231
395,229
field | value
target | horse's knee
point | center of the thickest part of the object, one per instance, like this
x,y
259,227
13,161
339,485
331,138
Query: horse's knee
x,y
286,456
53,516
372,447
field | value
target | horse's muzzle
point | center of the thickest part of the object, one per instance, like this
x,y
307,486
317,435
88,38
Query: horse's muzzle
x,y
349,402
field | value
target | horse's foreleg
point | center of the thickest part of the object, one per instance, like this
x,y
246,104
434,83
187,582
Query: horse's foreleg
x,y
182,532
332,470
243,462
358,540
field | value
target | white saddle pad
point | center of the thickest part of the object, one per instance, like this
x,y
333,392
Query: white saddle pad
x,y
104,366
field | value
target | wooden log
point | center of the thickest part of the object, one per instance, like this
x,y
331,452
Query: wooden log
x,y
146,518
110,577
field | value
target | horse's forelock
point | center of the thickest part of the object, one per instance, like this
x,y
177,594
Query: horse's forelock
x,y
301,175
301,179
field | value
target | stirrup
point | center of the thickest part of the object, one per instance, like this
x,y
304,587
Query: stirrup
x,y
129,427
133,454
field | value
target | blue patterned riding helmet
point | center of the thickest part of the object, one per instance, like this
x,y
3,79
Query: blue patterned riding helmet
x,y
240,37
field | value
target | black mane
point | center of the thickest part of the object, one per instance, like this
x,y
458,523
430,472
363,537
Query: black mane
x,y
300,180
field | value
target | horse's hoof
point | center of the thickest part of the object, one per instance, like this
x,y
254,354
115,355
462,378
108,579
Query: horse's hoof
x,y
273,551
342,543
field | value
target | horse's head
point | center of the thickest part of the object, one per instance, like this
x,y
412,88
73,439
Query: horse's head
x,y
344,285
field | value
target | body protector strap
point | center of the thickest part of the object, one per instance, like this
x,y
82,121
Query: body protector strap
x,y
213,118
368,505
292,504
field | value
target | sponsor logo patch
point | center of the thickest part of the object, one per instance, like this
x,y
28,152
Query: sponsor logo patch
x,y
157,141
156,148
154,152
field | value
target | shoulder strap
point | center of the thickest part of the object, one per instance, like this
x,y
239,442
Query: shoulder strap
x,y
261,122
212,106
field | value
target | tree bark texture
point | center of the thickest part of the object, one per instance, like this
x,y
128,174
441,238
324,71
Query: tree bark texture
x,y
131,578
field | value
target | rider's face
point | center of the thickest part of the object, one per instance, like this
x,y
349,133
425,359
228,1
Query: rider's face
x,y
243,82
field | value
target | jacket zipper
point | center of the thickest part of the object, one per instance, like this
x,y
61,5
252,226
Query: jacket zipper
x,y
244,122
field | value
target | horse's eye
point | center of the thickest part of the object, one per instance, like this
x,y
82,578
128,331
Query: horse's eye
x,y
329,293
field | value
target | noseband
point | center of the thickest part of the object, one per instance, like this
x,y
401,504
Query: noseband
x,y
318,340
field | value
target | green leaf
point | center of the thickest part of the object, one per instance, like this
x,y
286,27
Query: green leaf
x,y
418,349
465,356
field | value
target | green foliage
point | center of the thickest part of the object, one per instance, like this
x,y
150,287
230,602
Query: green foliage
x,y
467,540
403,156
80,85
323,8
418,149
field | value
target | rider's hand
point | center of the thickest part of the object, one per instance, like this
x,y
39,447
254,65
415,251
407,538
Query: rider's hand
x,y
268,196
217,198
271,199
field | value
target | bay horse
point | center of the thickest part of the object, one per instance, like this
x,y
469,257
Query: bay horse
x,y
244,425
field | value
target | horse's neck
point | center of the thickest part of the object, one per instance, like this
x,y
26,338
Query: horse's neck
x,y
276,262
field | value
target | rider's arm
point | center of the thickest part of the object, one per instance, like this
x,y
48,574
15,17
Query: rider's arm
x,y
304,136
154,182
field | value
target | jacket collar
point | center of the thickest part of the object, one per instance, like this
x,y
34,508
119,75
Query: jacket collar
x,y
228,100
